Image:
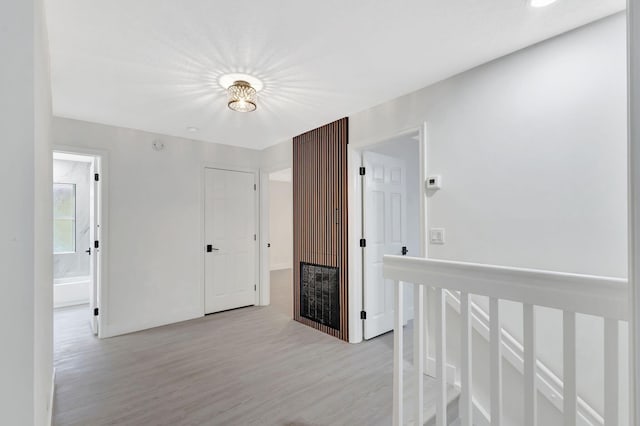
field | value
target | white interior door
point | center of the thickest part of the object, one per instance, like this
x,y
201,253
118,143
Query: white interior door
x,y
384,211
230,238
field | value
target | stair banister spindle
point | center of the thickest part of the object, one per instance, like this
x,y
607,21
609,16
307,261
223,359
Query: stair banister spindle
x,y
441,358
529,347
569,390
496,361
397,355
466,409
418,352
611,372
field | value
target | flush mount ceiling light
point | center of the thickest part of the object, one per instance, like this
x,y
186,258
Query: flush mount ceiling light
x,y
541,3
242,97
242,91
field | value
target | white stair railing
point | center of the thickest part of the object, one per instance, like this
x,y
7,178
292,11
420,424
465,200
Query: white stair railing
x,y
572,293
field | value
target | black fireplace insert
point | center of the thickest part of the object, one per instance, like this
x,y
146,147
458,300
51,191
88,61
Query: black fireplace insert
x,y
320,294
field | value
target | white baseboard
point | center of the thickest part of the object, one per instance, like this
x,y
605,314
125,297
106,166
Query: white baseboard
x,y
51,394
110,330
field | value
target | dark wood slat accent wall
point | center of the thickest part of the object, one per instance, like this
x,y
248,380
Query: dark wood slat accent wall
x,y
320,212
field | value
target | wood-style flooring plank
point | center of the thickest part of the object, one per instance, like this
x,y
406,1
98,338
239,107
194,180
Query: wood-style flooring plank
x,y
252,366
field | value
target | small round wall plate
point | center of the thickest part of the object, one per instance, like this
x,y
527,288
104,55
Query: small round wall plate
x,y
157,145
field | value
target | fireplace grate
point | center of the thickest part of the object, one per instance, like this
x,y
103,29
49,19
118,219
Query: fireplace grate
x,y
320,294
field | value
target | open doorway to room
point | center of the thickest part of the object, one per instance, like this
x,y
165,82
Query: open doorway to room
x,y
76,243
391,215
281,240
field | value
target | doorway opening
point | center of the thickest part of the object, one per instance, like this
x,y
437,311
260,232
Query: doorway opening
x,y
391,216
76,240
281,241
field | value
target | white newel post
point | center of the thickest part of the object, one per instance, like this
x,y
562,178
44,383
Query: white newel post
x,y
633,31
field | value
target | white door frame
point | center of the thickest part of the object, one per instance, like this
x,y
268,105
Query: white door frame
x,y
354,159
203,189
633,161
103,214
265,199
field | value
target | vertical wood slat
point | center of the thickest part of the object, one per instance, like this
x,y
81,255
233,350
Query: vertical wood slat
x,y
466,408
611,372
495,361
320,212
441,358
418,352
529,346
397,354
569,389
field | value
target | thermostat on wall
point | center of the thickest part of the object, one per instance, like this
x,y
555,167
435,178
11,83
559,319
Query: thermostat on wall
x,y
434,182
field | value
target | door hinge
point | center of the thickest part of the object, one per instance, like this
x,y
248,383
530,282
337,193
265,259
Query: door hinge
x,y
96,244
363,315
96,177
363,242
362,171
254,237
255,288
96,311
255,187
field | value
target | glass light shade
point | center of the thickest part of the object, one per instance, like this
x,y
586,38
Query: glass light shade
x,y
242,97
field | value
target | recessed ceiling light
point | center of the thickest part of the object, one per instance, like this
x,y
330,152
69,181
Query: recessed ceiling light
x,y
541,3
192,129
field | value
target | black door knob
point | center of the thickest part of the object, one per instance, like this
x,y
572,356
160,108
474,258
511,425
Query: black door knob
x,y
404,251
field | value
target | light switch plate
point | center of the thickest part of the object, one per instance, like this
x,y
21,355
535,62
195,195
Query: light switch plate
x,y
436,235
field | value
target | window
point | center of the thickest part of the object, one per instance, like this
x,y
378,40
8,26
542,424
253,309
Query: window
x,y
64,218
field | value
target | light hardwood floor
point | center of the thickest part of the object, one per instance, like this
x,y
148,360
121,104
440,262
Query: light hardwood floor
x,y
252,366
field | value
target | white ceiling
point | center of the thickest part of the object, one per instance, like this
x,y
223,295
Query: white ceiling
x,y
154,64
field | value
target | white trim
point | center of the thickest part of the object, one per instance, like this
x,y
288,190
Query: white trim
x,y
480,415
547,382
103,280
264,235
354,162
256,176
173,318
51,396
633,203
354,203
600,296
587,294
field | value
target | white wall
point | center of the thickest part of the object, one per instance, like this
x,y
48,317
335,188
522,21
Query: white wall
x,y
532,150
277,157
25,225
280,224
154,231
